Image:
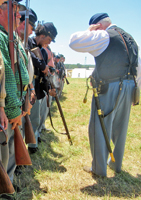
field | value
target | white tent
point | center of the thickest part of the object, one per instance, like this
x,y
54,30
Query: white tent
x,y
81,72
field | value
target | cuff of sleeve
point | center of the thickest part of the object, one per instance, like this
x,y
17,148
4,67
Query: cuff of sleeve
x,y
13,113
2,102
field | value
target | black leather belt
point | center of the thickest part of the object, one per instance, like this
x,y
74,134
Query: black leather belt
x,y
102,82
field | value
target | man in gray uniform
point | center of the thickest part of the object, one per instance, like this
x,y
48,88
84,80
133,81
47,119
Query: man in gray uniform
x,y
104,41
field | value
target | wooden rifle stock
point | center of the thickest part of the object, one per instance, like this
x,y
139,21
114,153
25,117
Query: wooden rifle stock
x,y
29,133
5,183
21,154
6,186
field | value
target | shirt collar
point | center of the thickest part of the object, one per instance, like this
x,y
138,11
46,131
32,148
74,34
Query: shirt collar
x,y
111,26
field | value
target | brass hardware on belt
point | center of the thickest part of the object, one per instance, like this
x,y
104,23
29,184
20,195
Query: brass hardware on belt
x,y
99,112
41,80
25,87
35,76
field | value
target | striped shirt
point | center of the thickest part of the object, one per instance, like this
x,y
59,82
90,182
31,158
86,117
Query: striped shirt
x,y
12,101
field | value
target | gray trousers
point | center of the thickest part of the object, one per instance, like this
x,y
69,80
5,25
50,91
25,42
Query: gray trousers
x,y
38,117
44,114
4,151
7,153
116,125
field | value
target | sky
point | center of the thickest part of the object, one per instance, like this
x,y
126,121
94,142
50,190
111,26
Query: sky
x,y
70,16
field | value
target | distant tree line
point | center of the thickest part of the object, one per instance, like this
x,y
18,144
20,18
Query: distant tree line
x,y
78,65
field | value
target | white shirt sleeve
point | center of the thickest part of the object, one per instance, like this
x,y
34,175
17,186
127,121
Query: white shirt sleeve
x,y
139,72
93,42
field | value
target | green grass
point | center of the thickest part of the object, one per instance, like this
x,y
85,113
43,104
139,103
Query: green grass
x,y
57,170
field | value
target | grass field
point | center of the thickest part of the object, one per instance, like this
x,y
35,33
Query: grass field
x,y
57,170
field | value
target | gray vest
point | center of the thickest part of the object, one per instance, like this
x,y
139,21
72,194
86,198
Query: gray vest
x,y
114,61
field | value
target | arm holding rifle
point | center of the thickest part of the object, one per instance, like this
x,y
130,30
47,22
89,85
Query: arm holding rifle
x,y
3,118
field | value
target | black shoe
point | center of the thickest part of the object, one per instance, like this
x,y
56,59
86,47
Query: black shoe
x,y
41,140
33,150
17,188
7,196
17,172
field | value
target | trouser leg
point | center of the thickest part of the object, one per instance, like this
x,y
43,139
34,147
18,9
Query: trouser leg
x,y
98,146
120,126
35,121
4,151
97,141
11,162
43,113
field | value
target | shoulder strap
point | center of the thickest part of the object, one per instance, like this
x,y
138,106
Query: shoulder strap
x,y
128,58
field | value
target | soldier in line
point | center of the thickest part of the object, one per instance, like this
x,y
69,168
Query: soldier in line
x,y
44,35
13,99
50,64
20,30
62,73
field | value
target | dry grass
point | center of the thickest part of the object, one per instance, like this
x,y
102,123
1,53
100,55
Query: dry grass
x,y
57,170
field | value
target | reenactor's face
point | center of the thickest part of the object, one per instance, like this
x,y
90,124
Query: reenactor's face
x,y
16,15
47,40
30,29
1,1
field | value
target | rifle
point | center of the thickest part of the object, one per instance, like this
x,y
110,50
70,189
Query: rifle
x,y
38,53
61,113
5,183
29,133
21,153
67,80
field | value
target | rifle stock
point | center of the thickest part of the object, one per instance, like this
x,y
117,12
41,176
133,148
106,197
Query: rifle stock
x,y
29,133
21,154
6,186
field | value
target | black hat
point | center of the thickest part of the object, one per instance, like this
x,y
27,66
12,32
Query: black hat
x,y
61,55
97,17
51,30
57,56
32,17
21,7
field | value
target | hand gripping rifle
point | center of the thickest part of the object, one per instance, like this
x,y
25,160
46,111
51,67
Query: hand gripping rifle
x,y
100,115
5,183
29,133
21,154
38,53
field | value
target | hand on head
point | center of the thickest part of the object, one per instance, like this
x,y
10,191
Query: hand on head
x,y
94,27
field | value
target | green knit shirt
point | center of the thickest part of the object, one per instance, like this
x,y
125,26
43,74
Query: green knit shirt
x,y
12,101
